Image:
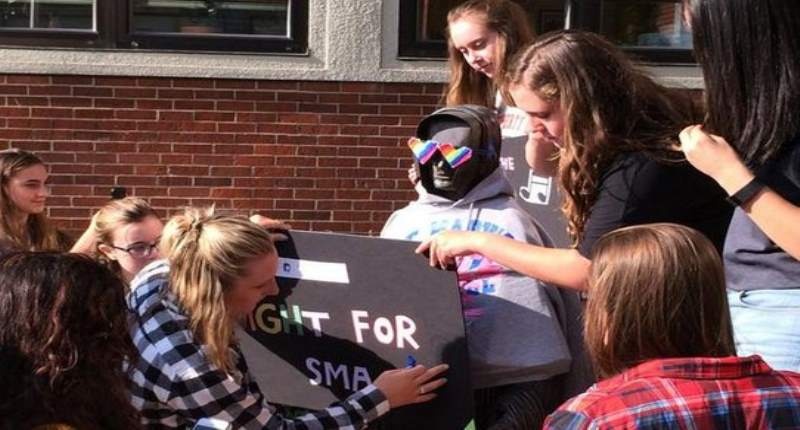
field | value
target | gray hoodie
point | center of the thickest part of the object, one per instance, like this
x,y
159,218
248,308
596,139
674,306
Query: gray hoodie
x,y
515,327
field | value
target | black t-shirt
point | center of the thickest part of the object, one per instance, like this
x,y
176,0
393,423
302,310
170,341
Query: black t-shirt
x,y
637,189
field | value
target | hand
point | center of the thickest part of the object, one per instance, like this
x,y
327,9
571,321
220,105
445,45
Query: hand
x,y
274,226
413,174
444,247
410,385
541,153
716,158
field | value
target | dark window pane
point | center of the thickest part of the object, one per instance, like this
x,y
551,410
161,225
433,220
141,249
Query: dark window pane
x,y
15,14
263,18
645,24
48,14
432,18
422,23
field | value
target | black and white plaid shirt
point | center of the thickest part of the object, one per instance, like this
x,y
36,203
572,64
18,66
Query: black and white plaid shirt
x,y
176,386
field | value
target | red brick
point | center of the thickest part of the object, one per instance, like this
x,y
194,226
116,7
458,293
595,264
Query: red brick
x,y
253,117
187,192
212,182
192,148
318,108
72,80
150,170
361,87
238,148
115,103
229,83
240,106
214,94
339,98
276,149
28,101
92,92
50,90
278,85
317,129
402,88
276,107
155,82
317,150
15,111
136,93
174,94
93,113
360,130
338,119
214,116
212,160
231,171
27,79
115,82
176,115
71,101
154,104
400,110
236,128
135,114
277,128
379,98
358,108
327,87
193,83
76,147
398,131
230,193
194,104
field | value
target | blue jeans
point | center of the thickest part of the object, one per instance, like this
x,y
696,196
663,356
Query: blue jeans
x,y
767,323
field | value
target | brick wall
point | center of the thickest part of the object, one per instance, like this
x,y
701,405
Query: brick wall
x,y
325,155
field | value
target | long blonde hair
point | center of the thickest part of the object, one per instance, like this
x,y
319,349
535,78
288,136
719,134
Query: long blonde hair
x,y
207,252
37,234
655,291
113,216
509,21
609,105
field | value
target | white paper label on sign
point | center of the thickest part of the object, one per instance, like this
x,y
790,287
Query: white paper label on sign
x,y
313,270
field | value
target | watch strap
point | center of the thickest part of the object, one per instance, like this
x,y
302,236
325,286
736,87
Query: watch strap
x,y
746,193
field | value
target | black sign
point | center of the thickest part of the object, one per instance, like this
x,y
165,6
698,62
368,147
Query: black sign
x,y
351,307
538,195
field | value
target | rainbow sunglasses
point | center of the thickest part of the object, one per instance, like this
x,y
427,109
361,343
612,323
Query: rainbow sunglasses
x,y
425,149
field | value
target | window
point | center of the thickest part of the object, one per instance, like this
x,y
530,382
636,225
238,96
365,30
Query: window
x,y
204,25
422,24
653,31
650,30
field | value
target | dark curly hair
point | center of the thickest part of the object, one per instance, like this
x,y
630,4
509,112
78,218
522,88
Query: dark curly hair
x,y
64,343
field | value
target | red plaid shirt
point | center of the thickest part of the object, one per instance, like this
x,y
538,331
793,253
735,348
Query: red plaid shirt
x,y
688,393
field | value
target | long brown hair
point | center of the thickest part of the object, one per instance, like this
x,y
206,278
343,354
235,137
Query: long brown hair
x,y
37,233
207,252
655,291
509,21
609,107
64,342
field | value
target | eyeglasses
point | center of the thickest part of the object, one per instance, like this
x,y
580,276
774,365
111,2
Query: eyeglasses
x,y
425,149
139,250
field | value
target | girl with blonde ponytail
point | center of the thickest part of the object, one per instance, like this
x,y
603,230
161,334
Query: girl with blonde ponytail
x,y
191,372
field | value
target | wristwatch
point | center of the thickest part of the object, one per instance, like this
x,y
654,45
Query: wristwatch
x,y
746,193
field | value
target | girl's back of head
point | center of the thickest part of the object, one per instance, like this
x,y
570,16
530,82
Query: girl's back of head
x,y
207,253
655,291
509,21
748,50
609,107
64,339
